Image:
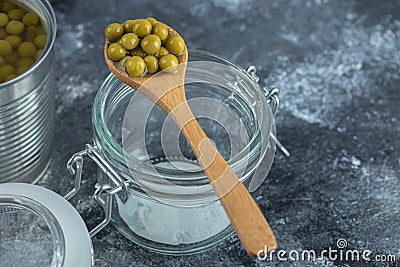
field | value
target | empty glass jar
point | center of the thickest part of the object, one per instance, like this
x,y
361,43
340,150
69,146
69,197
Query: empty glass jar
x,y
150,183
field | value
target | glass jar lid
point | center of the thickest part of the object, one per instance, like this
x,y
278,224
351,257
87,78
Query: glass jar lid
x,y
40,228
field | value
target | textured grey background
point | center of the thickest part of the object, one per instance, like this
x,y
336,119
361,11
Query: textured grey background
x,y
338,66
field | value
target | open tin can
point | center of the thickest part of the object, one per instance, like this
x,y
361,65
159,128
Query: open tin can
x,y
27,109
150,185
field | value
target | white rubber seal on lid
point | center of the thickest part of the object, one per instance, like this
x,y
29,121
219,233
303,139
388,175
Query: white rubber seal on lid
x,y
78,245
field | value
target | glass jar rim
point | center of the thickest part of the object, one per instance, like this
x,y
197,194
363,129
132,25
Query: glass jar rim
x,y
72,242
26,204
111,147
51,23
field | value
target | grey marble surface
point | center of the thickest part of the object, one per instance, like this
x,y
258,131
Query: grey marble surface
x,y
338,66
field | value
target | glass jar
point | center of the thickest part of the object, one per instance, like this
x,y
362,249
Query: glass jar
x,y
150,183
27,109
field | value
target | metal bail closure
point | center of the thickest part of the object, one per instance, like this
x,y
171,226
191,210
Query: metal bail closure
x,y
103,193
272,97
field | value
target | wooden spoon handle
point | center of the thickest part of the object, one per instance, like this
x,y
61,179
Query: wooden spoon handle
x,y
248,221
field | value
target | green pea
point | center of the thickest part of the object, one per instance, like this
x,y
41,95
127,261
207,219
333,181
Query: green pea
x,y
39,30
151,64
152,20
30,19
40,40
128,25
10,77
2,61
138,51
7,6
123,61
175,45
129,41
22,69
161,30
3,33
168,63
142,28
25,62
30,33
5,48
11,58
14,40
38,54
114,31
6,70
15,14
26,49
3,19
135,66
151,44
162,52
116,52
15,27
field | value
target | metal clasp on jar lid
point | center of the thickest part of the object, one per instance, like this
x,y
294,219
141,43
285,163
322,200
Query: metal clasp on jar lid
x,y
272,97
103,192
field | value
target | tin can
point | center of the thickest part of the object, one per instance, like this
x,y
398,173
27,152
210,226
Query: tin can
x,y
27,109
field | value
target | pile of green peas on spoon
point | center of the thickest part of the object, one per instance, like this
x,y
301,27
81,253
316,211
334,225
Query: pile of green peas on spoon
x,y
143,46
22,40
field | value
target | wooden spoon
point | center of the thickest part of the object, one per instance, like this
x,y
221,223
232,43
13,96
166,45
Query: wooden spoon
x,y
167,91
